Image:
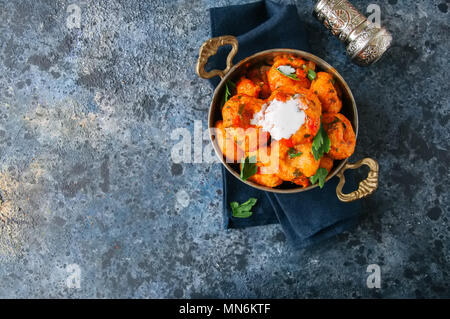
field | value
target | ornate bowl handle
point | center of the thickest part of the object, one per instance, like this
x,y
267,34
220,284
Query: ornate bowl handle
x,y
209,48
366,187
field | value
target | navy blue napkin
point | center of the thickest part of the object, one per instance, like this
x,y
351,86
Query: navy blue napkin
x,y
308,217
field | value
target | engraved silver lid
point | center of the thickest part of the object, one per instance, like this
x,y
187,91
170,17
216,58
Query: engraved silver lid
x,y
366,42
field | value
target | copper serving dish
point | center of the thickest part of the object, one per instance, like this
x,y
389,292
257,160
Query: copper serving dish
x,y
209,48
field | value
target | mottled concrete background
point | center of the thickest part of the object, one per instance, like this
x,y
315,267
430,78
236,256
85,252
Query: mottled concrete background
x,y
86,176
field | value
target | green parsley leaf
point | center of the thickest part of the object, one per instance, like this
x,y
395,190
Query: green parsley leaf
x,y
248,167
320,177
292,152
311,74
321,143
243,210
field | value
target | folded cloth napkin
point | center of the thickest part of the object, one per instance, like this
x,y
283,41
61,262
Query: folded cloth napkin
x,y
308,217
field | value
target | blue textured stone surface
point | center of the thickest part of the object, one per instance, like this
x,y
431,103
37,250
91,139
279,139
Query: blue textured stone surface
x,y
86,175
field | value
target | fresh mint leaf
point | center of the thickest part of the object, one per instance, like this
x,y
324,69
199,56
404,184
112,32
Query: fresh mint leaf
x,y
243,210
320,176
292,152
248,167
321,143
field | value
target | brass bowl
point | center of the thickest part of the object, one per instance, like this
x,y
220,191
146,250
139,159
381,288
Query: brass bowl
x,y
210,47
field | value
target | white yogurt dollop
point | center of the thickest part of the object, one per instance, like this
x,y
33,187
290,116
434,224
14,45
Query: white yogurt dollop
x,y
281,119
286,69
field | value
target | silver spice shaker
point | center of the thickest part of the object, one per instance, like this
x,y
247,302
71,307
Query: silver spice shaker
x,y
366,42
